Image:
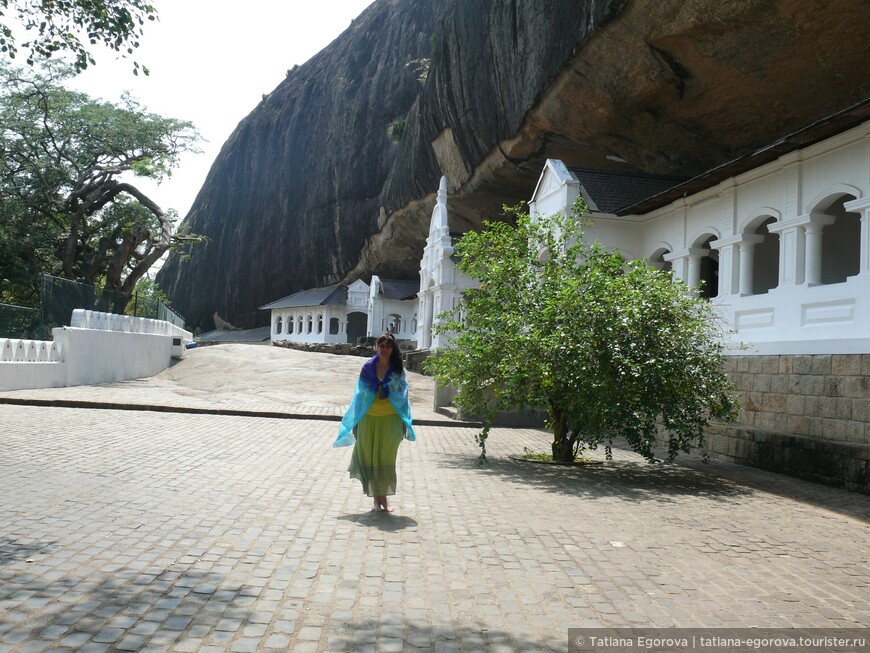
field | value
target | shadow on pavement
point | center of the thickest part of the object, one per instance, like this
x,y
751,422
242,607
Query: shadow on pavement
x,y
128,610
464,636
12,550
666,483
631,481
387,522
845,502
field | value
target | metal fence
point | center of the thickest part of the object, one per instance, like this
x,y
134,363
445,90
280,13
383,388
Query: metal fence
x,y
19,322
59,297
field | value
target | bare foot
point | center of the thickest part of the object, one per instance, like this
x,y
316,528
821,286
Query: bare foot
x,y
384,505
377,506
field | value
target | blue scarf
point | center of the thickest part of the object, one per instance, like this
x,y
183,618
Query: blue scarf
x,y
393,387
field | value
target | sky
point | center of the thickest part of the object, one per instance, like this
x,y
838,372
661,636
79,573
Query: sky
x,y
211,61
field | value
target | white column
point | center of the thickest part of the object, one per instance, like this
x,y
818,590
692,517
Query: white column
x,y
679,264
862,206
729,259
693,271
792,252
425,324
813,230
747,262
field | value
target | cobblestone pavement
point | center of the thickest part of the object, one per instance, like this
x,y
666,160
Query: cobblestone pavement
x,y
136,530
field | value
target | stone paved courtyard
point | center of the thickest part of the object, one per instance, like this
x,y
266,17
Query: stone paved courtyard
x,y
130,530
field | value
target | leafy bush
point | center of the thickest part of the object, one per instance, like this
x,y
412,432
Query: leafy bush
x,y
610,348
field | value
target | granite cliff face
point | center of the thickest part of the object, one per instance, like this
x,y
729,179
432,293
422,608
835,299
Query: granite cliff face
x,y
311,189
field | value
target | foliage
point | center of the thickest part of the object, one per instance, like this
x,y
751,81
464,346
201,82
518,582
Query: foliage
x,y
610,348
420,68
74,26
396,129
67,205
146,294
542,456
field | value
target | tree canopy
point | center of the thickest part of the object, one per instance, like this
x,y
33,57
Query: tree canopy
x,y
610,348
56,27
68,204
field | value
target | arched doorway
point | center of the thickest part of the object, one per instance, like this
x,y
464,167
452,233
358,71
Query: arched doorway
x,y
357,326
657,260
709,272
765,259
841,241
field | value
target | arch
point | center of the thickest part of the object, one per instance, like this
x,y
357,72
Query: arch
x,y
764,255
279,324
320,323
709,264
763,214
299,323
821,202
333,326
841,240
657,258
765,261
394,323
309,323
704,237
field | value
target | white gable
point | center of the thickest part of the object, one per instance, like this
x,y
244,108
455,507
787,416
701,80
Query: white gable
x,y
358,296
553,177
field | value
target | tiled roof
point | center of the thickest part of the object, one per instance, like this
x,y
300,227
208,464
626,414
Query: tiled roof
x,y
327,296
395,289
612,191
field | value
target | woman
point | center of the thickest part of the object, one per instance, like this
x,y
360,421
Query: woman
x,y
379,415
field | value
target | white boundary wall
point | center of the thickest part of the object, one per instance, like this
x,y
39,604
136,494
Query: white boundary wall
x,y
98,348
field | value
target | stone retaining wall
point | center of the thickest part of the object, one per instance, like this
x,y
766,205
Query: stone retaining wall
x,y
802,415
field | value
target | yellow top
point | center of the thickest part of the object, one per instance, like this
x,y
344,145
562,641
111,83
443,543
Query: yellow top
x,y
381,407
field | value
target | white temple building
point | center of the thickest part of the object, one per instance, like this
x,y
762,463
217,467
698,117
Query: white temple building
x,y
780,238
441,282
344,313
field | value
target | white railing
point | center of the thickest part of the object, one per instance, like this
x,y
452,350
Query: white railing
x,y
30,351
96,348
83,319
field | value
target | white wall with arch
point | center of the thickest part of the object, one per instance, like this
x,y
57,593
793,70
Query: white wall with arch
x,y
783,250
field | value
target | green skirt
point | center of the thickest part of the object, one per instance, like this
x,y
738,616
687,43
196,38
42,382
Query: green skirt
x,y
374,455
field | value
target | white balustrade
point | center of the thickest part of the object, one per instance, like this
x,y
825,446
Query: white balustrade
x,y
80,354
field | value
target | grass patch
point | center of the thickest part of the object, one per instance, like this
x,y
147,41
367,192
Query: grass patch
x,y
544,457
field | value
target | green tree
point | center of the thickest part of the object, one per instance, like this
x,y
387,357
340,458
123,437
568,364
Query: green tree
x,y
73,27
609,348
67,202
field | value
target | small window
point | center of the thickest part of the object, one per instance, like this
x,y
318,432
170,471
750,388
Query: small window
x,y
278,325
310,324
333,326
320,323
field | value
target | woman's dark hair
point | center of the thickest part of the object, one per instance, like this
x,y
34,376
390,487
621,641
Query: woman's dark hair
x,y
396,355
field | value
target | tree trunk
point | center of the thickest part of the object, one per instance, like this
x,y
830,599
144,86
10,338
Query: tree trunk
x,y
563,439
